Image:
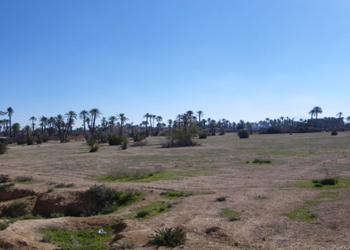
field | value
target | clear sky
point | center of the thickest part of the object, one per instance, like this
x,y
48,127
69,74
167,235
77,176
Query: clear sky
x,y
233,59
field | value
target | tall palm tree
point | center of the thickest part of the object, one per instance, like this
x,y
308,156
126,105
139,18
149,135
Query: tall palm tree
x,y
317,110
147,115
122,119
94,113
43,122
60,124
32,119
51,124
71,116
83,115
111,122
200,114
10,113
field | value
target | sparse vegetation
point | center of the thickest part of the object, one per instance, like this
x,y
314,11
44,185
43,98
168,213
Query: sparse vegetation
x,y
92,143
109,200
63,185
150,210
71,239
169,237
15,209
3,225
183,137
325,183
175,194
230,215
259,161
24,179
302,213
116,139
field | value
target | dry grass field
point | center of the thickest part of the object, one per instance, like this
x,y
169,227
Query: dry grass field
x,y
263,206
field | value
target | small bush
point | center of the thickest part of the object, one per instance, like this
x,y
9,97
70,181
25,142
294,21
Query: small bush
x,y
334,132
30,140
175,194
203,135
6,185
3,225
94,147
45,139
261,161
124,245
230,215
221,199
3,148
116,139
330,181
169,237
181,138
142,214
62,185
138,137
15,209
243,134
125,144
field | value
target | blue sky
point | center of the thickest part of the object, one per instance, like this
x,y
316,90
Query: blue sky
x,y
231,59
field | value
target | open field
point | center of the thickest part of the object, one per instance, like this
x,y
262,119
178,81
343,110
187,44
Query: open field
x,y
274,206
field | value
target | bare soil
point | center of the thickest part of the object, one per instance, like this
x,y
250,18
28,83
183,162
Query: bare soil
x,y
262,194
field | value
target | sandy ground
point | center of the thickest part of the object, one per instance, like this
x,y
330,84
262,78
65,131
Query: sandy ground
x,y
260,193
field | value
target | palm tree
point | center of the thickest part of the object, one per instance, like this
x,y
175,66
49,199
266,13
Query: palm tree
x,y
112,120
340,114
43,122
32,119
159,120
59,123
83,115
15,128
122,119
94,113
71,116
27,129
51,124
10,113
170,122
317,110
147,115
200,114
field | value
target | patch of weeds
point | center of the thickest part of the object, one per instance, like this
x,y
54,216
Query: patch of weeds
x,y
62,185
175,194
169,237
332,196
230,215
80,239
259,161
302,213
109,200
221,199
325,183
15,209
24,179
7,185
259,197
3,225
124,245
28,216
150,210
56,215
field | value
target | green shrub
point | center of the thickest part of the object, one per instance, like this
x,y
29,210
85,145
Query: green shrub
x,y
92,143
15,209
30,140
230,215
142,214
169,237
7,185
243,134
39,139
261,161
137,137
221,199
3,225
334,132
3,148
175,194
22,141
181,137
203,135
62,185
109,199
116,139
330,181
45,138
125,144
